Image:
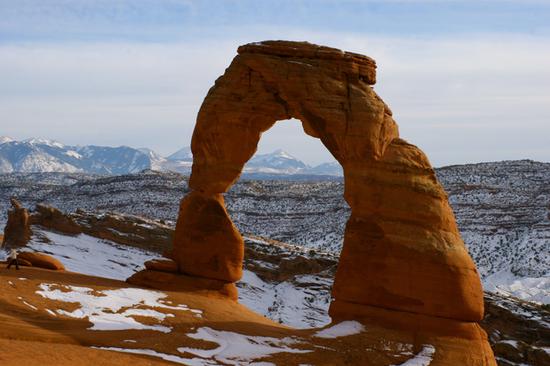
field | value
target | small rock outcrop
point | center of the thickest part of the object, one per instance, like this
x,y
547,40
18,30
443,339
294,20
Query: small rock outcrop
x,y
41,260
51,218
403,262
17,232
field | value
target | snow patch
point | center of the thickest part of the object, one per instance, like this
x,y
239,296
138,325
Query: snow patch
x,y
102,310
423,358
343,329
235,348
164,356
532,289
73,154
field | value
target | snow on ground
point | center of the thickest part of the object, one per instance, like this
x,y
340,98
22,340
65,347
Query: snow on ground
x,y
101,307
92,256
233,349
423,358
164,356
343,329
301,304
526,288
236,349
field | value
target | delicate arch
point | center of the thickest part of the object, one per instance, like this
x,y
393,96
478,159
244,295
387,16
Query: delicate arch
x,y
402,249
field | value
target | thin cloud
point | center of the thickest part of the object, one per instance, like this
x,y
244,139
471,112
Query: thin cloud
x,y
488,93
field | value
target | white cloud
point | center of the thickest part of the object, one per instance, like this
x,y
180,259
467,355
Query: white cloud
x,y
460,99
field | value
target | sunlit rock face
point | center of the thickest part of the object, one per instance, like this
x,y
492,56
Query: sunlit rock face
x,y
403,257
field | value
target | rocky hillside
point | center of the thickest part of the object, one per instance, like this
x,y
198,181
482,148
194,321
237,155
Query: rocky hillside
x,y
502,210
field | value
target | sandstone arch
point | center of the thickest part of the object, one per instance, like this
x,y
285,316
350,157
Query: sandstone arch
x,y
402,249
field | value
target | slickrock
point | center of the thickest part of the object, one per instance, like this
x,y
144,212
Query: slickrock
x,y
18,228
403,257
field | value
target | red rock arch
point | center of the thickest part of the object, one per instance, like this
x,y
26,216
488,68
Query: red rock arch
x,y
402,249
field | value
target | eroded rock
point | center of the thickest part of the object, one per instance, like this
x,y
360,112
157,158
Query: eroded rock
x,y
17,232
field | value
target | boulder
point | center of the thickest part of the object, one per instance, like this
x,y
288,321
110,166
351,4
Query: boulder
x,y
42,260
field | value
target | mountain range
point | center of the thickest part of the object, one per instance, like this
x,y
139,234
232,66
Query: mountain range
x,y
37,155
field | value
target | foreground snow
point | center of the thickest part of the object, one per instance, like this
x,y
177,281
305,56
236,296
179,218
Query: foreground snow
x,y
102,308
236,349
343,329
423,358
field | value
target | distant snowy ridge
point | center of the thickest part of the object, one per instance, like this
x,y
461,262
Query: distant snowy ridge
x,y
40,155
37,155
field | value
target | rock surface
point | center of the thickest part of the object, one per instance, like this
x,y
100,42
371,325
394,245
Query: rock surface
x,y
402,249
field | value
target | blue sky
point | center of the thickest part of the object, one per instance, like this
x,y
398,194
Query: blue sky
x,y
468,81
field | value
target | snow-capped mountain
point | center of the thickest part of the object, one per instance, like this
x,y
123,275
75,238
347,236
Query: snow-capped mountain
x,y
184,154
4,139
333,168
42,155
270,165
277,162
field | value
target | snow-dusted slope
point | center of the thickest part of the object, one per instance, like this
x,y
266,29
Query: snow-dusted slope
x,y
501,208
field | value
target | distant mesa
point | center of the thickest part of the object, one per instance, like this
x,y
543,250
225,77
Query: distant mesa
x,y
403,263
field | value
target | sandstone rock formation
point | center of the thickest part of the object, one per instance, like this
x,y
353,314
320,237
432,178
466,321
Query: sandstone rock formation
x,y
403,259
18,228
42,260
